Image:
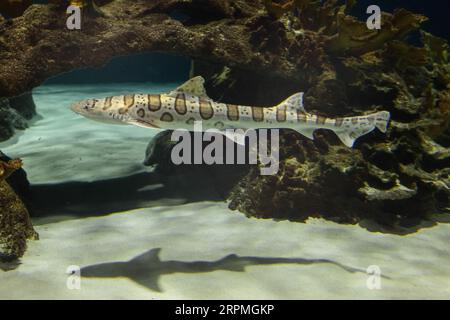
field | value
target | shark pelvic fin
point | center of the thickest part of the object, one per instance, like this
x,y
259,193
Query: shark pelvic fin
x,y
194,86
294,103
307,132
344,136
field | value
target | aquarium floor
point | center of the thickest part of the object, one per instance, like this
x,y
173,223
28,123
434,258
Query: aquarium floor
x,y
98,205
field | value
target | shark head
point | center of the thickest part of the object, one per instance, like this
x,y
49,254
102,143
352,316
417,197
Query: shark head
x,y
94,109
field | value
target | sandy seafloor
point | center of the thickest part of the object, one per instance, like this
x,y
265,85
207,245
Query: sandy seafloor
x,y
99,205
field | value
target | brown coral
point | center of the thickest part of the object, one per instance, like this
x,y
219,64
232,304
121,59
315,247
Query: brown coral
x,y
353,36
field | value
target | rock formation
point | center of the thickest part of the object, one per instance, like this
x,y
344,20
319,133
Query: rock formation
x,y
15,224
256,52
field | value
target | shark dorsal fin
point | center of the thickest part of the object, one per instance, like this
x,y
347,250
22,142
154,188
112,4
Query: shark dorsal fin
x,y
194,86
293,103
149,257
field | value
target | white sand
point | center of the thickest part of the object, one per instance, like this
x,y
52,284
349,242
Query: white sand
x,y
140,213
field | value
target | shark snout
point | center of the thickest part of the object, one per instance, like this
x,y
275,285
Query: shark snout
x,y
82,107
75,107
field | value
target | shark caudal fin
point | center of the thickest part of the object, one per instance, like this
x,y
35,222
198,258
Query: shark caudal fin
x,y
361,126
382,120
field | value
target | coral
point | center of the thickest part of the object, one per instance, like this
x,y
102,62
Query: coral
x,y
15,224
353,36
397,180
345,33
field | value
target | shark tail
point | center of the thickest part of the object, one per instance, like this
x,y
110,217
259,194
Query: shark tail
x,y
382,120
348,135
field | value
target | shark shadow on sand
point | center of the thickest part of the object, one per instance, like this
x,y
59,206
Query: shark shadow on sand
x,y
147,268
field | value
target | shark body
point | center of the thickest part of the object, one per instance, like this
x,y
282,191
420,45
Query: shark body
x,y
189,103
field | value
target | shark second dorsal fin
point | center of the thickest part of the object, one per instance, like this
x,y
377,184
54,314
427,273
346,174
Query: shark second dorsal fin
x,y
194,86
293,103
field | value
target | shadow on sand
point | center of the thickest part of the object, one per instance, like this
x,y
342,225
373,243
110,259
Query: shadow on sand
x,y
147,268
141,190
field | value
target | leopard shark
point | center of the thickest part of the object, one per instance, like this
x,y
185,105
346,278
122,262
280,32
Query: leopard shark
x,y
189,104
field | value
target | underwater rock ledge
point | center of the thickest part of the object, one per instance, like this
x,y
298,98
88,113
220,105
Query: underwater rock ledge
x,y
400,180
252,56
15,223
37,45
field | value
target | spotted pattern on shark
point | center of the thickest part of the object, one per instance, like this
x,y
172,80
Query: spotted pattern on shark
x,y
154,102
180,104
232,112
206,109
180,108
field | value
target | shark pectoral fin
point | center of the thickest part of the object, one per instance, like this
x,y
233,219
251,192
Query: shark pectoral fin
x,y
309,133
194,86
